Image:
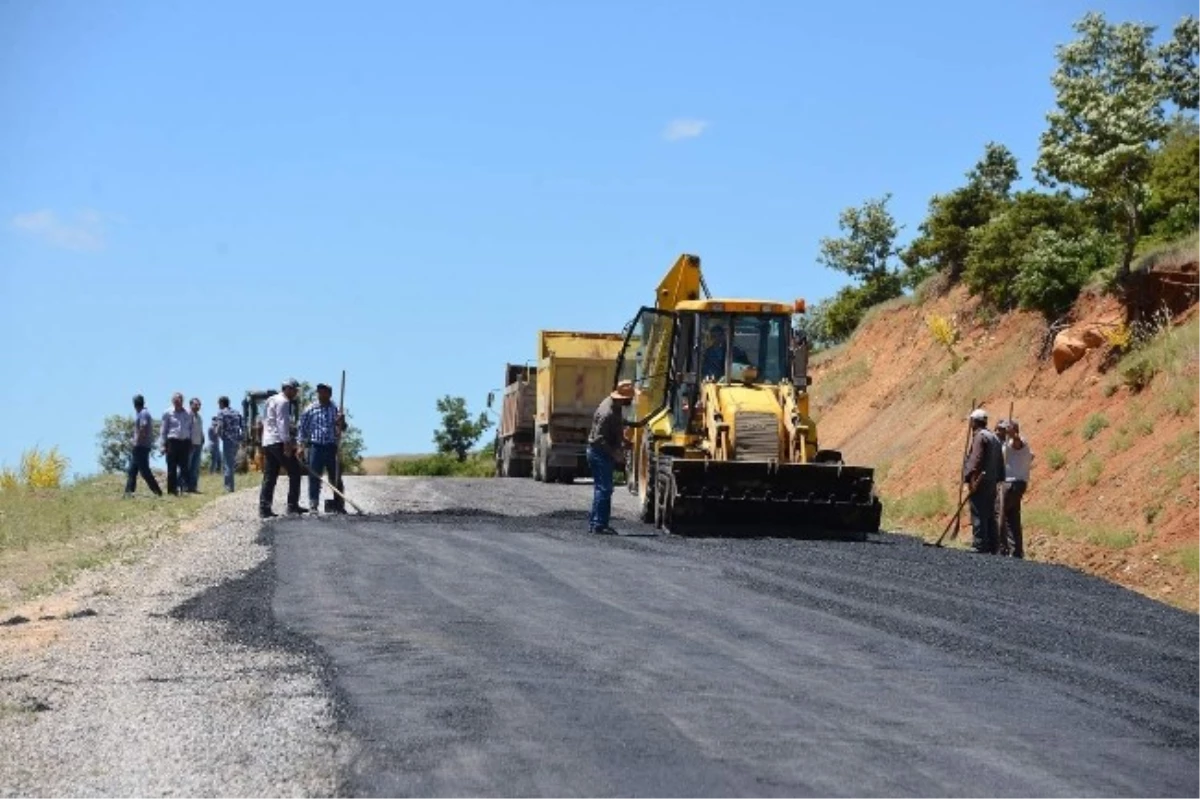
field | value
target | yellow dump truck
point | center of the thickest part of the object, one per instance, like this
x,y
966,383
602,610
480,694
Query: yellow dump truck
x,y
575,372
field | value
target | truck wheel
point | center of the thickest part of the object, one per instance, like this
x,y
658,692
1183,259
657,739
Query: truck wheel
x,y
506,460
566,477
538,450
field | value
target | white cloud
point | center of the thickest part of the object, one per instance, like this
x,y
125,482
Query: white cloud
x,y
84,234
684,129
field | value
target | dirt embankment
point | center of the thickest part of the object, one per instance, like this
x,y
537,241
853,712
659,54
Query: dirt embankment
x,y
1114,483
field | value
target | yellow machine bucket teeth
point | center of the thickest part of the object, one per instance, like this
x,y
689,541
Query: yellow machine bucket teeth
x,y
731,498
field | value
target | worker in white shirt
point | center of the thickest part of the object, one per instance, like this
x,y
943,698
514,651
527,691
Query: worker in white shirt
x,y
1018,459
279,450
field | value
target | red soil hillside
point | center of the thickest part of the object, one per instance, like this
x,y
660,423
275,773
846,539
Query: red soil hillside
x,y
1114,484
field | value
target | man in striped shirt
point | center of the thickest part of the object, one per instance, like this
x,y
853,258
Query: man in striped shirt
x,y
230,430
321,426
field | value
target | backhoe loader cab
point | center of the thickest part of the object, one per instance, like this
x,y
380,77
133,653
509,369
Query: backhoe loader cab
x,y
721,437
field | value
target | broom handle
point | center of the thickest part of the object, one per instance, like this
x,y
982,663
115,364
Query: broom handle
x,y
966,448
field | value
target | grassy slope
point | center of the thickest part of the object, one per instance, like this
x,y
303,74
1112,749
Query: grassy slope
x,y
47,536
1114,482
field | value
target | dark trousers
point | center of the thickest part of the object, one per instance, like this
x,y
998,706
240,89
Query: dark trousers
x,y
322,459
179,451
1012,537
602,477
274,460
983,517
139,463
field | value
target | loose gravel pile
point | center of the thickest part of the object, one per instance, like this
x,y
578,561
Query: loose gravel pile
x,y
140,700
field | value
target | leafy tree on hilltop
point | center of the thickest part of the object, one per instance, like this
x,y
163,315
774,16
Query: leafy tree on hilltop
x,y
943,242
1174,186
1111,85
864,253
998,249
115,440
458,432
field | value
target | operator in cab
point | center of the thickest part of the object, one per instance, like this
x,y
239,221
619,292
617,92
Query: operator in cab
x,y
713,362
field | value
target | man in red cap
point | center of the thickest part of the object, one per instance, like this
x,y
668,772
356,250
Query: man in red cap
x,y
606,448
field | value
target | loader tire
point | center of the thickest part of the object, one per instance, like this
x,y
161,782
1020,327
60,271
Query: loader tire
x,y
646,489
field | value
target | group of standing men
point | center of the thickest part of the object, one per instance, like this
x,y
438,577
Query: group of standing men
x,y
996,470
181,440
320,429
182,436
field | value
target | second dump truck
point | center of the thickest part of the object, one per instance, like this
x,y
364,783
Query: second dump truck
x,y
575,373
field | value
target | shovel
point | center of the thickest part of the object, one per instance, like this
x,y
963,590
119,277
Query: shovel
x,y
333,505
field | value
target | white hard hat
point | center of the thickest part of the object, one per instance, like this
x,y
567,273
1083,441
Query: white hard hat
x,y
979,414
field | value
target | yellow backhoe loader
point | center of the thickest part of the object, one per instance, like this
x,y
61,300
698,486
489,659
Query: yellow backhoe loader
x,y
721,442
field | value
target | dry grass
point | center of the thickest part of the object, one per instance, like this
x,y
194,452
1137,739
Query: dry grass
x,y
48,535
833,385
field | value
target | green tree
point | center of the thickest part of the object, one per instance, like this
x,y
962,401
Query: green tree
x,y
814,324
996,172
1055,267
1110,86
458,432
943,240
115,441
1178,64
864,253
997,248
1171,207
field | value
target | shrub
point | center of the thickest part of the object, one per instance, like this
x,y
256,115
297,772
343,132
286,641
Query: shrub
x,y
1137,372
1092,469
1056,459
443,464
37,470
1094,424
1051,274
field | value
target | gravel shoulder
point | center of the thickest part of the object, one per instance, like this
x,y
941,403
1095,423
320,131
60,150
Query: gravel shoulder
x,y
139,700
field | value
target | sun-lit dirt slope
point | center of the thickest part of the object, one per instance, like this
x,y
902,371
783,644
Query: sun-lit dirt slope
x,y
1114,483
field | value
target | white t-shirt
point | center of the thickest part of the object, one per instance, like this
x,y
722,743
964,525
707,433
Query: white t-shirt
x,y
276,417
1017,461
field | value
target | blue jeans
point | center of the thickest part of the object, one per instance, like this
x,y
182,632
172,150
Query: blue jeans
x,y
321,458
602,476
214,457
229,461
193,468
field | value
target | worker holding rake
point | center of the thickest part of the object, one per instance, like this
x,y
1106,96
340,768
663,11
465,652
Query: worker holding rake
x,y
983,470
321,426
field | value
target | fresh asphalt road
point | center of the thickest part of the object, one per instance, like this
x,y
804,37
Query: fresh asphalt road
x,y
486,644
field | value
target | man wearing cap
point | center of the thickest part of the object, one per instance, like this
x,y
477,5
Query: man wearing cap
x,y
279,451
1018,458
982,470
321,425
606,448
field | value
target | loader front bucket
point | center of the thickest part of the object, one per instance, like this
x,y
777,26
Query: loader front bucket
x,y
756,498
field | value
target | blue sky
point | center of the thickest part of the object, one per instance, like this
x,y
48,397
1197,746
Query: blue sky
x,y
206,197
